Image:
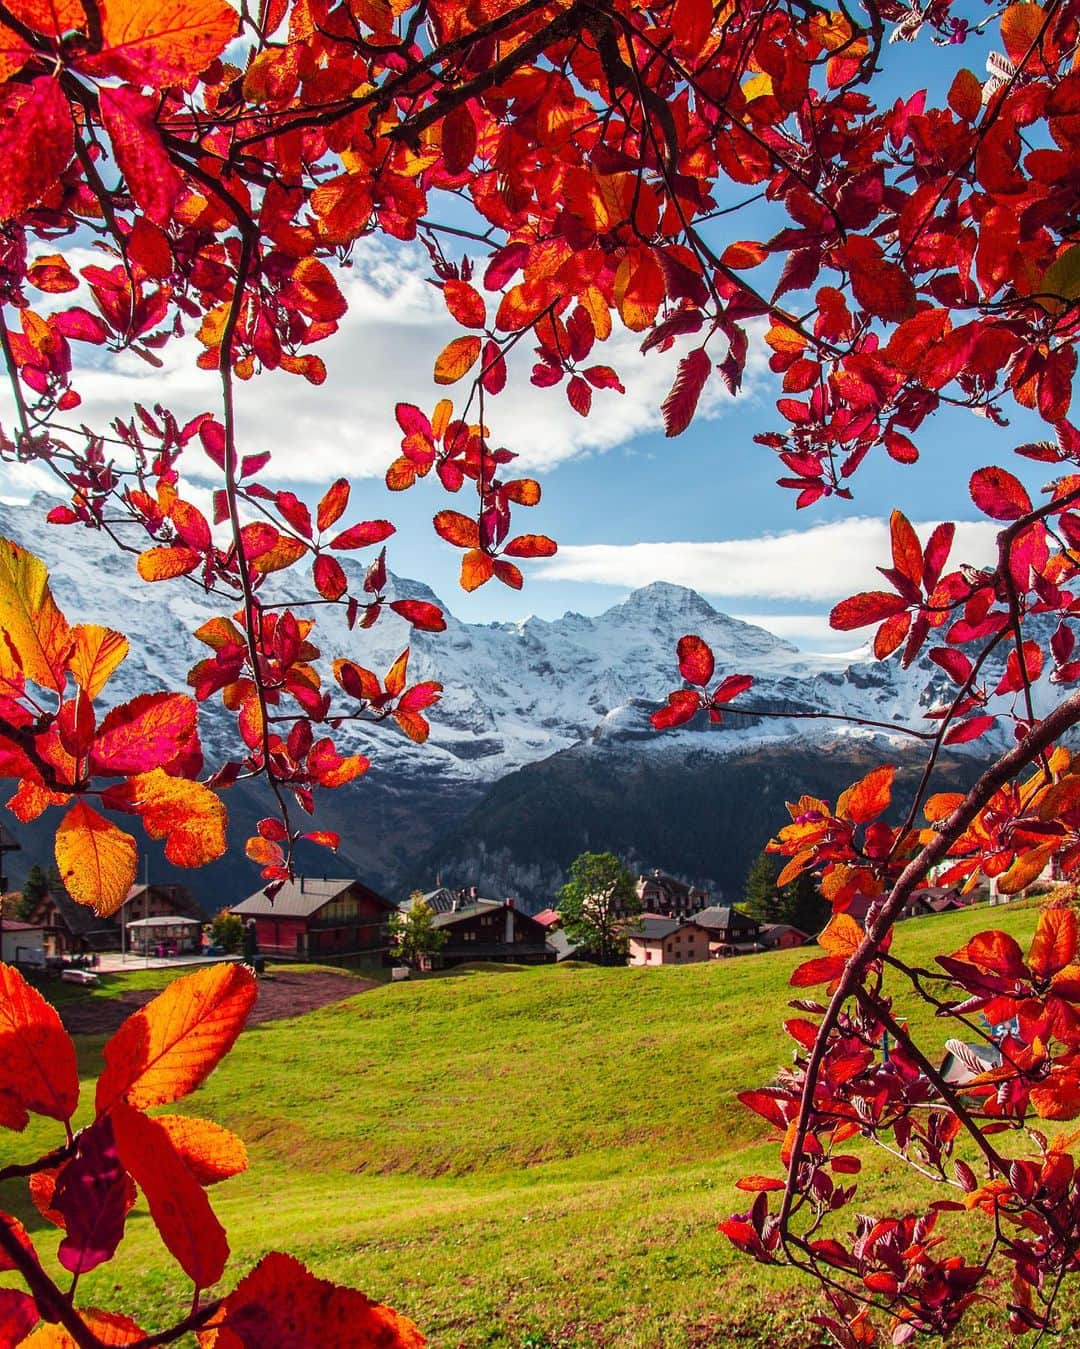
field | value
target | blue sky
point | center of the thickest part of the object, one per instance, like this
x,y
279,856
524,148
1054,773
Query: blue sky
x,y
614,487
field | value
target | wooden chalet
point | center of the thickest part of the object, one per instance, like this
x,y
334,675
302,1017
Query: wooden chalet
x,y
782,936
657,940
668,897
731,932
71,928
485,929
312,918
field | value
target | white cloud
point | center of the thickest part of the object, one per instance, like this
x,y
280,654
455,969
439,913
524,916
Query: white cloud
x,y
383,354
823,563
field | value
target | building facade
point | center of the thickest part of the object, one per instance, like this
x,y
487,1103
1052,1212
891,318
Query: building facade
x,y
319,919
656,940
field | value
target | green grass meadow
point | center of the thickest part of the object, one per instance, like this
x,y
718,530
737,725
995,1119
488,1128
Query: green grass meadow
x,y
532,1158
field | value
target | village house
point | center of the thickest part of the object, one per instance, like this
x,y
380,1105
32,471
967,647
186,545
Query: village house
x,y
21,943
731,932
656,940
782,936
312,918
485,929
667,897
72,929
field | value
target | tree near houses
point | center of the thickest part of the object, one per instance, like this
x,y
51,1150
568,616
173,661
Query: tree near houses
x,y
413,935
687,171
762,898
227,931
34,888
598,905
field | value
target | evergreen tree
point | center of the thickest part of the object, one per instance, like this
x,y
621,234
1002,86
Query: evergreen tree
x,y
598,905
761,899
34,887
807,910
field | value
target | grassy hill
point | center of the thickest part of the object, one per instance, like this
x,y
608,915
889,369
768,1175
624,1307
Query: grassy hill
x,y
531,1158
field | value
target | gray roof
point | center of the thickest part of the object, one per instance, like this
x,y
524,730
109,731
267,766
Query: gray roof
x,y
563,947
469,910
654,929
175,920
724,916
302,897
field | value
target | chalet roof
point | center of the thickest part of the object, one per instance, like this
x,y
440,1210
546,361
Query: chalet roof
x,y
17,925
773,933
467,911
724,917
564,948
649,928
179,896
303,897
548,917
79,919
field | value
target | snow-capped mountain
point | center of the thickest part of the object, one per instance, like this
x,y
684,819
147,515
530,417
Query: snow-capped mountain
x,y
516,694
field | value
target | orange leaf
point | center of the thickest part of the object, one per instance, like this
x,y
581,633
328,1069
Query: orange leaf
x,y
37,1058
283,554
476,568
531,545
1054,943
209,1151
97,860
869,798
1026,867
35,628
413,724
842,936
165,561
168,42
1020,28
460,530
281,1305
906,548
333,504
178,1206
95,655
188,815
111,1328
165,1049
456,359
394,682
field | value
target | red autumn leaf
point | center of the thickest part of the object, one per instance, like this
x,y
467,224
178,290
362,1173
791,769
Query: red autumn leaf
x,y
92,1198
821,970
357,681
165,1049
168,42
419,697
37,1057
280,1305
414,725
465,304
458,529
731,687
130,118
531,545
955,664
329,575
422,615
906,549
394,683
681,403
682,706
1014,677
970,729
153,730
37,140
998,494
178,1206
363,535
870,606
695,660
18,1311
880,286
332,504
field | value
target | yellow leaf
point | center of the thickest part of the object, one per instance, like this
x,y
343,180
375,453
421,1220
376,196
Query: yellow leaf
x,y
210,1151
97,860
96,654
37,631
456,359
842,936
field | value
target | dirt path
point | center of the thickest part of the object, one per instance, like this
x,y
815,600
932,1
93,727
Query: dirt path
x,y
281,994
